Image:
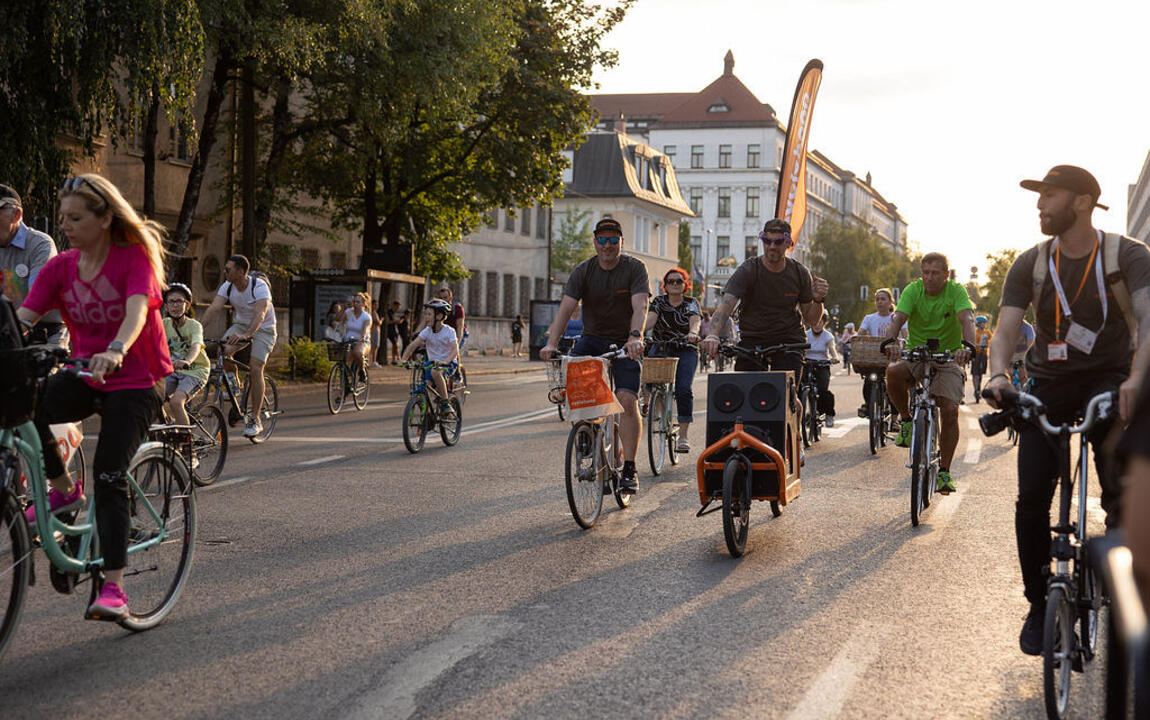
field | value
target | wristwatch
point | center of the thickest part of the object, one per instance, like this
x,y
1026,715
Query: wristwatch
x,y
636,334
116,346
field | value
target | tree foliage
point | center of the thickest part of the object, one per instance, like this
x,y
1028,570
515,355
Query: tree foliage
x,y
571,240
1000,263
851,256
687,257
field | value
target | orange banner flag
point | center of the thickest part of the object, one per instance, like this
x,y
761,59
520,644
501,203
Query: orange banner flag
x,y
791,203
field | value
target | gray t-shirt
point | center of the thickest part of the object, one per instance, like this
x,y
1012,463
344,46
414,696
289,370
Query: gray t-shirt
x,y
769,311
1112,350
20,263
606,295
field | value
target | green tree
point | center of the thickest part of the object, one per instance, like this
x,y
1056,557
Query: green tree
x,y
1000,263
571,241
687,257
850,257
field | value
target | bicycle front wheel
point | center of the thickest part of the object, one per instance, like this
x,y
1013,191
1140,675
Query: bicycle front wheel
x,y
360,388
804,424
1057,653
657,431
875,415
209,444
736,505
269,410
919,472
584,479
162,535
1089,610
336,386
415,423
451,422
15,568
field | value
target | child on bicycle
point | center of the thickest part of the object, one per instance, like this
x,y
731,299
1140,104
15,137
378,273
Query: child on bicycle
x,y
442,346
186,346
822,348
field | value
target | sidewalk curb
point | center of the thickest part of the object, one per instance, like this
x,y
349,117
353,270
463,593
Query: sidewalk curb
x,y
399,378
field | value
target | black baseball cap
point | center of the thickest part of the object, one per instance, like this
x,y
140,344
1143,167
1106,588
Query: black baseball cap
x,y
608,224
1068,177
8,196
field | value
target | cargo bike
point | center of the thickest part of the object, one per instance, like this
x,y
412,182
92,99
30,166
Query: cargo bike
x,y
753,442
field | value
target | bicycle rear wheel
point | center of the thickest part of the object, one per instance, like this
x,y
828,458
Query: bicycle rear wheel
x,y
163,512
15,567
336,386
736,505
1057,653
415,423
657,431
209,444
451,423
583,479
360,387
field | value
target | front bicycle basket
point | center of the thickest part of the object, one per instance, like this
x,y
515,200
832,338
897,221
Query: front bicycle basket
x,y
659,370
20,373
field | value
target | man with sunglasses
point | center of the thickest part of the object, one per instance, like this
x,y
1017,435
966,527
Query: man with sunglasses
x,y
777,294
23,251
613,290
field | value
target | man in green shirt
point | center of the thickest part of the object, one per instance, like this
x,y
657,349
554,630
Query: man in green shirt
x,y
933,306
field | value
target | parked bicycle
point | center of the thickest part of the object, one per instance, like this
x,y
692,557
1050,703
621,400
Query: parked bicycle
x,y
426,410
162,512
225,387
1073,590
345,379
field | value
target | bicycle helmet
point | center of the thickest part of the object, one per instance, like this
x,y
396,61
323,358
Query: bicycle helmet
x,y
850,326
438,305
182,289
980,319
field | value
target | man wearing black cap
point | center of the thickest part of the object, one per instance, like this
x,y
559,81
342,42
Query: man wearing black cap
x,y
613,289
23,251
1091,297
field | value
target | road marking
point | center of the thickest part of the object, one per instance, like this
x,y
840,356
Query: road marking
x,y
941,510
302,439
225,483
844,426
972,423
394,699
511,420
825,699
973,451
318,461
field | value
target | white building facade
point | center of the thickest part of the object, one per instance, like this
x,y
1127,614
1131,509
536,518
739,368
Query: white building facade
x,y
1138,205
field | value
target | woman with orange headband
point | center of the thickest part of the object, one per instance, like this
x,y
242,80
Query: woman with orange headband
x,y
675,316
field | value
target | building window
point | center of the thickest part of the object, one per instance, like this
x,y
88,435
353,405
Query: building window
x,y
696,156
722,247
752,156
526,221
338,260
310,257
724,156
508,221
696,201
508,295
752,246
696,250
752,202
669,151
475,290
540,293
541,214
178,139
719,107
724,202
662,240
492,294
492,219
524,294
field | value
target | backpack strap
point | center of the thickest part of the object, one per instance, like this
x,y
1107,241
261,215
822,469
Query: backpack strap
x,y
1039,273
1116,281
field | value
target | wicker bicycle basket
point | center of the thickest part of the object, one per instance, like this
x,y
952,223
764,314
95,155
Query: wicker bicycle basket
x,y
659,370
865,353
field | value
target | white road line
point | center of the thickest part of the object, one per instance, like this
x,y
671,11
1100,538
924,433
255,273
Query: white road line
x,y
828,694
942,509
225,483
972,423
394,699
844,426
318,461
359,440
973,451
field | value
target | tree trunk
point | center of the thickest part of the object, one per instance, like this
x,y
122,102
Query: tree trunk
x,y
150,130
281,139
178,244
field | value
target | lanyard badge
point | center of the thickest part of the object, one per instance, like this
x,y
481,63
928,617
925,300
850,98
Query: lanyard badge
x,y
1077,336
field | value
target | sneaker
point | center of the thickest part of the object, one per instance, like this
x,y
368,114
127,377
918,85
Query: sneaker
x,y
629,485
112,604
903,439
1030,639
863,412
944,483
683,447
58,502
253,428
829,420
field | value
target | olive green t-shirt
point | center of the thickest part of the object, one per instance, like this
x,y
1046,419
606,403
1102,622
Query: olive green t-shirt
x,y
934,316
181,339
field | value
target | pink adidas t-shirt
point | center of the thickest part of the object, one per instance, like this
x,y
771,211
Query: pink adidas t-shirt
x,y
93,311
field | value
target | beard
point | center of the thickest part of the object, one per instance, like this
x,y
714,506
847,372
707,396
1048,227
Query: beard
x,y
1058,222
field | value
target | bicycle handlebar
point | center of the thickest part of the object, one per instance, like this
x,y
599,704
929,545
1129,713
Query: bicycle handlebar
x,y
221,341
1028,407
731,349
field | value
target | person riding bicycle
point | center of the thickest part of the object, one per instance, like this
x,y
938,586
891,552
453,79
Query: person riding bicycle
x,y
777,294
1090,311
932,307
844,341
875,324
255,321
982,337
186,347
357,328
675,316
822,347
442,347
108,291
613,289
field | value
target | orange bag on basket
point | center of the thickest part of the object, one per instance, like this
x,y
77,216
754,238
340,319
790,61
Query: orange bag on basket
x,y
588,391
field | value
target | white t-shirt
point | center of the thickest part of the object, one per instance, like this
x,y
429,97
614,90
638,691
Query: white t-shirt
x,y
876,325
356,327
440,344
244,301
822,346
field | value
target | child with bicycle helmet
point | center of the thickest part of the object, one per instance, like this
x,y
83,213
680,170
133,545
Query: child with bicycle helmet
x,y
108,291
186,346
441,343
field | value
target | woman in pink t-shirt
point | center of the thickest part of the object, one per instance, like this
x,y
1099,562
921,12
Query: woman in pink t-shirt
x,y
108,290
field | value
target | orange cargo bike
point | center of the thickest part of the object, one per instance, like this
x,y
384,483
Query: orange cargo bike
x,y
753,442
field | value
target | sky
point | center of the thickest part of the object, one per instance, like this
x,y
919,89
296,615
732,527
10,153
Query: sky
x,y
947,105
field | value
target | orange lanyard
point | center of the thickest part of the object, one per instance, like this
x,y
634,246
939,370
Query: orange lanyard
x,y
1085,276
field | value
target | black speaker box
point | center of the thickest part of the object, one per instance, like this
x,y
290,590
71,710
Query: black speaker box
x,y
766,402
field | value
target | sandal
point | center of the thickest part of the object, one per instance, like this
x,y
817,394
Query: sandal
x,y
683,447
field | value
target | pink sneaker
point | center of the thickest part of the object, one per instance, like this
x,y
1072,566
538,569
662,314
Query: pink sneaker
x,y
112,604
58,502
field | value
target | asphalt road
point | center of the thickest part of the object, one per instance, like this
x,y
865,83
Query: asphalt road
x,y
337,576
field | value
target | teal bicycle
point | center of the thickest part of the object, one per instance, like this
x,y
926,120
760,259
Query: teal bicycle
x,y
162,510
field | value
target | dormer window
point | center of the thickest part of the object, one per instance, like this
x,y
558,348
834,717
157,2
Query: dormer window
x,y
719,107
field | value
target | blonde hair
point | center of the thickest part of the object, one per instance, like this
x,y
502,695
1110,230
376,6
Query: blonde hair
x,y
128,228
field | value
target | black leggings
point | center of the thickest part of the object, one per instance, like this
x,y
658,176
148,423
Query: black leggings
x,y
126,415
